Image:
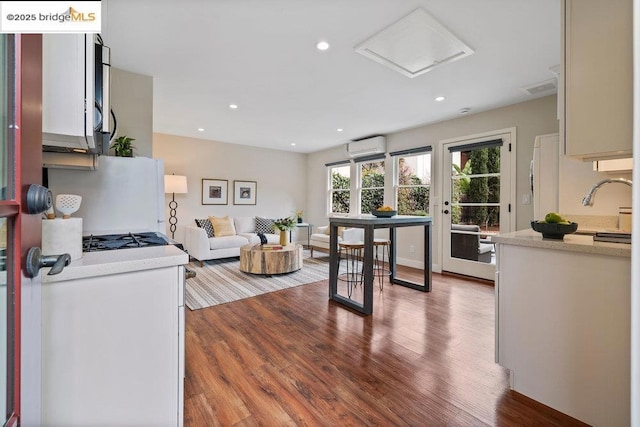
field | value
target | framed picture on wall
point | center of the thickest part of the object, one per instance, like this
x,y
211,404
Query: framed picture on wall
x,y
244,192
215,191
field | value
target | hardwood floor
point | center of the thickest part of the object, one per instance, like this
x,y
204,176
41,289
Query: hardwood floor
x,y
294,358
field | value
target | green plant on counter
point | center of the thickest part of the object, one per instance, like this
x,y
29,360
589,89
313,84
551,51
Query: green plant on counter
x,y
123,146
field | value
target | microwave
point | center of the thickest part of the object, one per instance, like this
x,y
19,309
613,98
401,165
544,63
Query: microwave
x,y
76,108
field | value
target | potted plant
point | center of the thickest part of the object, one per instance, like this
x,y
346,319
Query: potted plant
x,y
299,215
123,146
284,225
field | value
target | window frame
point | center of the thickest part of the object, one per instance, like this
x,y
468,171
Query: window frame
x,y
330,190
396,177
359,175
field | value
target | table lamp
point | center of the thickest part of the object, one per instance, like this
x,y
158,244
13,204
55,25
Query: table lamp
x,y
174,184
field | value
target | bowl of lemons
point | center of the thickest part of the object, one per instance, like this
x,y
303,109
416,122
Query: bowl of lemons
x,y
385,211
554,226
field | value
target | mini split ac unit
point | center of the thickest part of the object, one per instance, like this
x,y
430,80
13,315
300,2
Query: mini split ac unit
x,y
364,147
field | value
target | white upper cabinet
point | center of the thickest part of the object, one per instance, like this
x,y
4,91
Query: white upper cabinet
x,y
598,79
66,85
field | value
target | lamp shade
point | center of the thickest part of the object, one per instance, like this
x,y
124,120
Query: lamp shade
x,y
175,184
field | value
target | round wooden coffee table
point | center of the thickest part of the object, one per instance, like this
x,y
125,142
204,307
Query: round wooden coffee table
x,y
255,260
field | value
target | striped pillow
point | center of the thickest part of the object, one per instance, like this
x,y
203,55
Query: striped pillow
x,y
206,224
264,225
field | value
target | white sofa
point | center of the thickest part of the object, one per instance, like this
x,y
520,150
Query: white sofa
x,y
202,248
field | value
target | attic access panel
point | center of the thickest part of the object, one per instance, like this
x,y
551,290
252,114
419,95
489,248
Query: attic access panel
x,y
414,45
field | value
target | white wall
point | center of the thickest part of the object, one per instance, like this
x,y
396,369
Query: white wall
x,y
280,177
132,104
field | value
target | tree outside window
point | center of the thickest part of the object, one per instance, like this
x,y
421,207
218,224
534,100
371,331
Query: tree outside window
x,y
340,188
476,187
371,186
413,184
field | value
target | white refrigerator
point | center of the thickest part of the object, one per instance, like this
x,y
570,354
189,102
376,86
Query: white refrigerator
x,y
544,175
124,195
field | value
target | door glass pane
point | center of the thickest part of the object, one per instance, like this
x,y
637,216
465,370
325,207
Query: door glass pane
x,y
4,85
3,316
475,203
7,184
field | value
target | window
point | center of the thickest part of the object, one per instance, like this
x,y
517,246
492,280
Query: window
x,y
371,188
412,180
339,187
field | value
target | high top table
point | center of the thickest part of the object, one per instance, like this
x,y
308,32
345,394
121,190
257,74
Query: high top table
x,y
369,224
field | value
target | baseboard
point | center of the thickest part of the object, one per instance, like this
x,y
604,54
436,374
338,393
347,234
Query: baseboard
x,y
464,276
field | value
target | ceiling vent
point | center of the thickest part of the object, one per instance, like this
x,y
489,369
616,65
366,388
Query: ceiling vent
x,y
367,146
414,45
547,86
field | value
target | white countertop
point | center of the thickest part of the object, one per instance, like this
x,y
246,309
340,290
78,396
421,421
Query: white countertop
x,y
571,242
104,263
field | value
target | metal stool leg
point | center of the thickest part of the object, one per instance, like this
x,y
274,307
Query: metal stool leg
x,y
379,266
353,275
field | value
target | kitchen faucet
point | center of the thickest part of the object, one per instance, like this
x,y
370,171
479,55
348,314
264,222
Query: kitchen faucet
x,y
588,199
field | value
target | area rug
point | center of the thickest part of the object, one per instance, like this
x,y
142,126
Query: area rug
x,y
221,281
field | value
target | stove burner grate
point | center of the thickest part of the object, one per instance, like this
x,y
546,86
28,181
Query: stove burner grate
x,y
107,242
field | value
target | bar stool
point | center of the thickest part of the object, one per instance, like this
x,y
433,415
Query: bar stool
x,y
379,269
352,254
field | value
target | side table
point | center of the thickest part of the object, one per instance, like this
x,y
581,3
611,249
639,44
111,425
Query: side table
x,y
309,228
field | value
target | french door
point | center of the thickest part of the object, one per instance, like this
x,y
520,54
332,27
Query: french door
x,y
476,201
20,166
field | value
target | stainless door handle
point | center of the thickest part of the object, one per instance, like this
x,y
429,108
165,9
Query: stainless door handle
x,y
35,261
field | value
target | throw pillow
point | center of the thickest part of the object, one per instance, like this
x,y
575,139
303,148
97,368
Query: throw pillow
x,y
264,225
206,224
222,226
244,224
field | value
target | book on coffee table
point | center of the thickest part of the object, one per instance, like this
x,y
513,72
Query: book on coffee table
x,y
271,247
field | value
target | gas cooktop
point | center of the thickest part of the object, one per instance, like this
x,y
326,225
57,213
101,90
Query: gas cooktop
x,y
108,242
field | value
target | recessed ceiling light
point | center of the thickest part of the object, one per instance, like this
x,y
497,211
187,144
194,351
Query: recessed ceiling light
x,y
293,144
233,106
322,45
200,129
439,98
339,129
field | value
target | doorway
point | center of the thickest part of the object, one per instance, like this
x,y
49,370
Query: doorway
x,y
477,193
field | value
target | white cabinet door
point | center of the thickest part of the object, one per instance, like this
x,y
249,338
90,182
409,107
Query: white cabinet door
x,y
67,81
564,330
112,350
597,78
